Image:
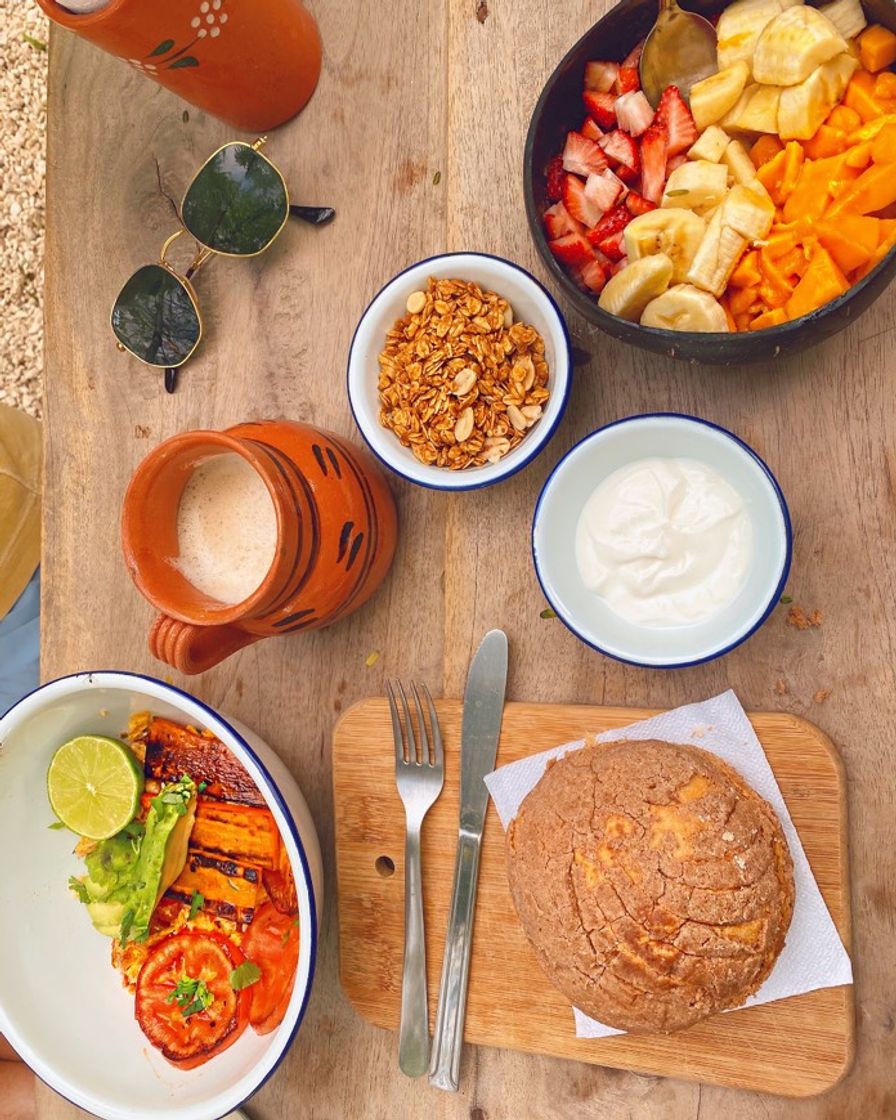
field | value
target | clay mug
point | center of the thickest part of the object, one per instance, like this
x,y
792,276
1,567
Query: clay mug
x,y
336,534
252,63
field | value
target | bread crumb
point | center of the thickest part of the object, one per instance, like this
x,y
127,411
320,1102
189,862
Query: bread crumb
x,y
800,620
821,695
782,687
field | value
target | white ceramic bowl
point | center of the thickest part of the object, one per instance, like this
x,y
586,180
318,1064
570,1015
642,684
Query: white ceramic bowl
x,y
531,303
664,435
62,1005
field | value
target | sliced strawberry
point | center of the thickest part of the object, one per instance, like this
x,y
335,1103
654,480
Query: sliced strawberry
x,y
555,176
675,161
557,221
603,190
601,76
572,249
676,116
579,206
594,276
633,58
637,204
590,130
582,156
628,80
613,245
607,235
634,114
601,106
653,162
622,152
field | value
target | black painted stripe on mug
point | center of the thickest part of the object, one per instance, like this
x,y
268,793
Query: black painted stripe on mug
x,y
290,618
353,555
332,457
344,539
372,522
319,455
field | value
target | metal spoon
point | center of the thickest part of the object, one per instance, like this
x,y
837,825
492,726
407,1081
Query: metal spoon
x,y
680,51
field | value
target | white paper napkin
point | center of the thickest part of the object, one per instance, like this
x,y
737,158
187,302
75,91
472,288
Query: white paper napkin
x,y
813,956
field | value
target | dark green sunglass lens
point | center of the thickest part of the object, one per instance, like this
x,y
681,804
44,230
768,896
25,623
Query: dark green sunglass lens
x,y
155,318
237,203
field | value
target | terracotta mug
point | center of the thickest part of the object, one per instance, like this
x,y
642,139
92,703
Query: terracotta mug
x,y
336,534
253,63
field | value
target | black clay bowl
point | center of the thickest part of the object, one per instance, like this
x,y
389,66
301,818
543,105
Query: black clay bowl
x,y
559,109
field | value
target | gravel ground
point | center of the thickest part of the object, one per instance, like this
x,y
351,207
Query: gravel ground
x,y
23,119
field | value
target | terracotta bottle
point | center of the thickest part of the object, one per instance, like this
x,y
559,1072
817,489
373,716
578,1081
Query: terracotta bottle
x,y
252,63
336,534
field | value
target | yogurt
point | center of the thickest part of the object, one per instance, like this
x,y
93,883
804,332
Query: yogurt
x,y
664,542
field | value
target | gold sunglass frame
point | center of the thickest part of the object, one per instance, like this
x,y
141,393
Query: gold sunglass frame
x,y
205,253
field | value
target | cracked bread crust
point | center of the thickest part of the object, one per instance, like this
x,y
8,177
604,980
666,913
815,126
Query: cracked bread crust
x,y
654,884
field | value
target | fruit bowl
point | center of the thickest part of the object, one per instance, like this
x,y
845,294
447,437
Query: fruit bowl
x,y
62,1005
559,110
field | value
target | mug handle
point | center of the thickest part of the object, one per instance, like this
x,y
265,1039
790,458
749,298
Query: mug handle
x,y
193,649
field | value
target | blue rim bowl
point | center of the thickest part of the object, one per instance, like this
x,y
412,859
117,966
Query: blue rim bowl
x,y
531,303
573,480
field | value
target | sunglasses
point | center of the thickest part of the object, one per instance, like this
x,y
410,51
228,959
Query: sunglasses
x,y
236,206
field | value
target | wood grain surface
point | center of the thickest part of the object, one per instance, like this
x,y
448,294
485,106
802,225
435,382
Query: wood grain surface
x,y
796,1047
410,88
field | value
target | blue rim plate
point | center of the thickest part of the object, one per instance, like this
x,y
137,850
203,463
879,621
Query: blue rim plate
x,y
111,677
540,437
775,595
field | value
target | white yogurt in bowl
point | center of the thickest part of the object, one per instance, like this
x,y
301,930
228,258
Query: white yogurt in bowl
x,y
665,542
662,540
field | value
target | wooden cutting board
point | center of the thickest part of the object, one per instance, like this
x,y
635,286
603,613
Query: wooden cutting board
x,y
795,1047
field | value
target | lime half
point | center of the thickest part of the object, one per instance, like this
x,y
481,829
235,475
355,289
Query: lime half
x,y
94,785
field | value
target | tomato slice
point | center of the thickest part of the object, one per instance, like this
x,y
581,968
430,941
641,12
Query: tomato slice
x,y
272,943
174,964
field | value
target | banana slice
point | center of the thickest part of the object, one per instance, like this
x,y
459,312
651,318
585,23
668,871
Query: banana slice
x,y
736,159
712,98
697,185
685,308
675,232
794,44
756,111
803,108
739,27
719,252
847,16
630,291
748,213
710,145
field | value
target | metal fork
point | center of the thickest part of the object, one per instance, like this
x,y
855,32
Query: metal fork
x,y
419,776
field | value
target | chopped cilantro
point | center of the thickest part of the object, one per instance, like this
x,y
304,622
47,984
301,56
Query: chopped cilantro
x,y
196,904
191,996
80,890
244,975
202,787
56,825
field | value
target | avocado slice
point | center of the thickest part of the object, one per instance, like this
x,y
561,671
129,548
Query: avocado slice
x,y
128,873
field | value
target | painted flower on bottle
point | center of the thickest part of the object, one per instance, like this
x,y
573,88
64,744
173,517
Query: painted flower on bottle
x,y
206,24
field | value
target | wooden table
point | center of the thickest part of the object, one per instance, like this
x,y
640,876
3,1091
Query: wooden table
x,y
410,89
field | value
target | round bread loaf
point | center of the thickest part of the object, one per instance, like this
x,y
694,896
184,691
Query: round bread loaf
x,y
654,884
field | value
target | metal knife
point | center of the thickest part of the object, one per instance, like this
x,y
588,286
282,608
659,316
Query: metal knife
x,y
483,709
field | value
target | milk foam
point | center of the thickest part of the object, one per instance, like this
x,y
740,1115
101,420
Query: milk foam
x,y
226,529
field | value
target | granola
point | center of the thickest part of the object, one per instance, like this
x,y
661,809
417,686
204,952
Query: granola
x,y
460,383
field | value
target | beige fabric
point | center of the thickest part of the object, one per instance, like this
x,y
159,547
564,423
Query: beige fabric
x,y
20,486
